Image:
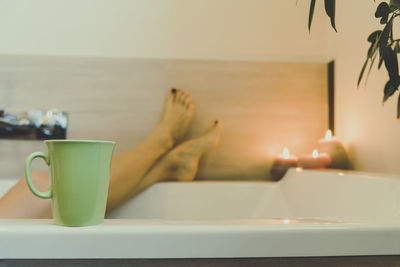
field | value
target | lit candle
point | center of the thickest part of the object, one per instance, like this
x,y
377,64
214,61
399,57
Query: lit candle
x,y
282,163
332,146
315,160
329,140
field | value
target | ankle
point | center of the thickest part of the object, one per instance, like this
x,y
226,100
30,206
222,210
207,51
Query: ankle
x,y
162,137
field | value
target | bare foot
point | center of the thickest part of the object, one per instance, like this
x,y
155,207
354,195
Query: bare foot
x,y
178,115
130,168
181,163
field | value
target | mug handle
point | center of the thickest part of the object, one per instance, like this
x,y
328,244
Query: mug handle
x,y
28,178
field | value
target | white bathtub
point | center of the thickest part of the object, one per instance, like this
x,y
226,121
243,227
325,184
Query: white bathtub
x,y
308,213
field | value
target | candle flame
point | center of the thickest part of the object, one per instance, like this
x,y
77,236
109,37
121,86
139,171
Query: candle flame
x,y
315,153
286,153
328,135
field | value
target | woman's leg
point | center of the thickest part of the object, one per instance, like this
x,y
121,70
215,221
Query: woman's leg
x,y
127,169
19,202
181,163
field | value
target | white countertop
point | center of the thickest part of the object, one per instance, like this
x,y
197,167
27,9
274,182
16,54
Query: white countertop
x,y
134,238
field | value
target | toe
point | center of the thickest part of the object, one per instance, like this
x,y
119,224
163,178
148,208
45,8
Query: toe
x,y
182,96
219,124
173,94
187,104
188,101
177,94
215,126
191,108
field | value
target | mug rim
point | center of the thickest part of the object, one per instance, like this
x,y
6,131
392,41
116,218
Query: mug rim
x,y
77,141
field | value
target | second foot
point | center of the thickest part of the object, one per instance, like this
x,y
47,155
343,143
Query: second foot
x,y
182,162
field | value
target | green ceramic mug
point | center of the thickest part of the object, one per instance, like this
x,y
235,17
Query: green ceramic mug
x,y
80,174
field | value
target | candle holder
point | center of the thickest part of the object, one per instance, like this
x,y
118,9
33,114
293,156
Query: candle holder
x,y
281,165
332,146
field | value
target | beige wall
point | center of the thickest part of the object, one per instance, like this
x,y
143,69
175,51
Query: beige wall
x,y
370,129
188,29
260,30
227,30
264,106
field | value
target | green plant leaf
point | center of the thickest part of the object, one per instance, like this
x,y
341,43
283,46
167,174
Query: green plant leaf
x,y
372,37
398,108
397,47
385,33
383,41
391,63
395,4
374,43
362,71
384,19
382,12
370,67
311,14
330,6
380,63
390,88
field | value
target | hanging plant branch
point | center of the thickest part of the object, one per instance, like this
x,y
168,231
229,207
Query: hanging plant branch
x,y
383,45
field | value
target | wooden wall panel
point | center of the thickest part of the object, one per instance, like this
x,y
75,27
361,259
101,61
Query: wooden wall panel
x,y
264,105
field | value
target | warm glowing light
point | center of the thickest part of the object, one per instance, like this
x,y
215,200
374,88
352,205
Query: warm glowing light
x,y
315,153
286,153
328,135
286,221
298,169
